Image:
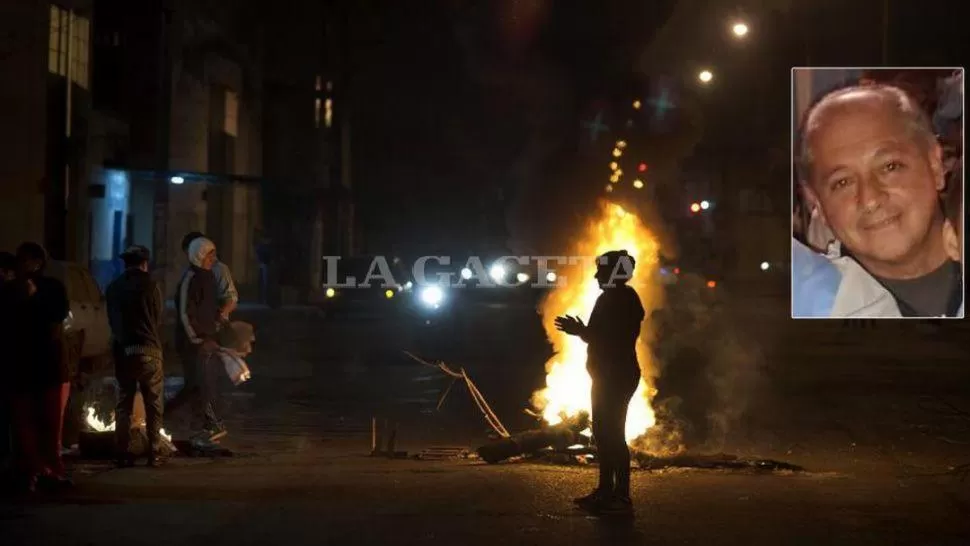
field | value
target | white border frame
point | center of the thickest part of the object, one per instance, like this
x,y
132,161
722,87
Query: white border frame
x,y
791,180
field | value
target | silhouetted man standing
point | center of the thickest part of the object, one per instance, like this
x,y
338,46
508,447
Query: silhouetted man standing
x,y
135,312
611,335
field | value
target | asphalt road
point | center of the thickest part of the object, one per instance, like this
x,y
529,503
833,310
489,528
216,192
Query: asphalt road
x,y
862,410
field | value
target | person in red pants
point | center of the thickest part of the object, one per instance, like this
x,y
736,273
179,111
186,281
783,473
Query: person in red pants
x,y
36,306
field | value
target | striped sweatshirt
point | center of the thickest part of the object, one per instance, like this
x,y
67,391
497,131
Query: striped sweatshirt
x,y
197,307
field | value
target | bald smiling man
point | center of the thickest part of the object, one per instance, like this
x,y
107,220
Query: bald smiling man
x,y
869,161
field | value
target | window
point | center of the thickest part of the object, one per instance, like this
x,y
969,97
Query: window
x,y
80,34
328,113
317,85
69,32
57,48
231,124
316,113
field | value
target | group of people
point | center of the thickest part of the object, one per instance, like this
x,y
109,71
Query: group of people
x,y
34,309
204,299
873,174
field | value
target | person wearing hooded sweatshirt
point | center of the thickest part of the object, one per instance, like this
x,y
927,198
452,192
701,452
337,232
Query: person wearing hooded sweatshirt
x,y
35,307
226,293
195,337
611,336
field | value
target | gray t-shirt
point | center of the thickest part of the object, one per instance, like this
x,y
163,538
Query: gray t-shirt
x,y
226,288
936,294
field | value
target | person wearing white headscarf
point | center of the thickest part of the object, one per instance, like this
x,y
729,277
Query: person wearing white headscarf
x,y
226,295
196,336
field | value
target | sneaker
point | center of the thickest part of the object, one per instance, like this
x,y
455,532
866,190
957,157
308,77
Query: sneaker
x,y
210,435
597,496
616,506
54,482
157,460
217,432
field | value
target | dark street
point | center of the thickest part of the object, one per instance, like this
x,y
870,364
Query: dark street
x,y
877,465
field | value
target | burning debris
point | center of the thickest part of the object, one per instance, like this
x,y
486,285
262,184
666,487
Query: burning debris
x,y
564,436
719,461
567,391
98,441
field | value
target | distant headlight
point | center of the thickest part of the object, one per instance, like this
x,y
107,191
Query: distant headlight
x,y
551,276
408,285
466,273
331,292
388,294
497,272
522,277
432,296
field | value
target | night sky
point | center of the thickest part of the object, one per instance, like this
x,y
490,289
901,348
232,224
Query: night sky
x,y
459,102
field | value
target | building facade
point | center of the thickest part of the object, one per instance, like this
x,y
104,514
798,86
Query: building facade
x,y
45,119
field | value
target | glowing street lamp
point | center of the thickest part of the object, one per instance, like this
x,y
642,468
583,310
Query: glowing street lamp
x,y
705,205
739,29
636,105
695,207
705,76
638,184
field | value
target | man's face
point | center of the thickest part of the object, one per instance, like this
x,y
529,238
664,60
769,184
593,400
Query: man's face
x,y
209,260
876,187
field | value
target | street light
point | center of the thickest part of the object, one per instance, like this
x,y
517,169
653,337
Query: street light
x,y
705,76
695,207
177,180
739,29
638,184
705,205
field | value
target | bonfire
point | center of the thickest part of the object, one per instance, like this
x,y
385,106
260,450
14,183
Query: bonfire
x,y
567,391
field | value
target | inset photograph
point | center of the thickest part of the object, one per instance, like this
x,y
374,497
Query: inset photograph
x,y
877,193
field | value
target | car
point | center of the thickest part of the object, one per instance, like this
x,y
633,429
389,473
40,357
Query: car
x,y
346,295
86,328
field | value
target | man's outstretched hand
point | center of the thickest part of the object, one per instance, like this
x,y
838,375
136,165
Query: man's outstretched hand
x,y
570,325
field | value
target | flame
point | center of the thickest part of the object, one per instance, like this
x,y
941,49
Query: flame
x,y
97,425
567,391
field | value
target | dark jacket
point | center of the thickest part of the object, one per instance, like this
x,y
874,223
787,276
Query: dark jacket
x,y
611,335
135,313
197,308
34,332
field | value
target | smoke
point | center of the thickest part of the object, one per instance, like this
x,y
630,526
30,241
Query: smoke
x,y
708,373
